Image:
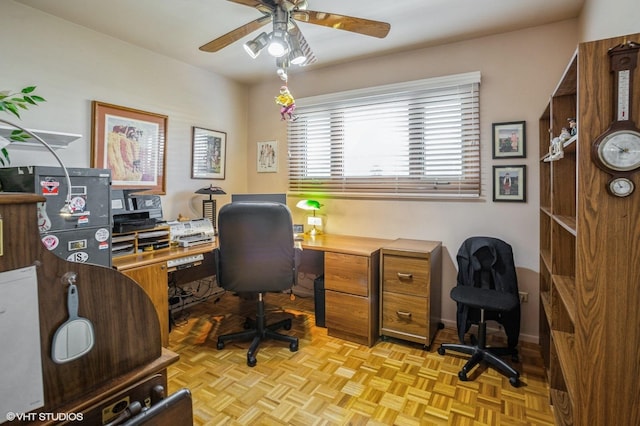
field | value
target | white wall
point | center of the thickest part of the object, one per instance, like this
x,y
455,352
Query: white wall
x,y
72,66
519,71
609,18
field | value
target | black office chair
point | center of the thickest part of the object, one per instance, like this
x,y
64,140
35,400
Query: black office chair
x,y
256,254
487,289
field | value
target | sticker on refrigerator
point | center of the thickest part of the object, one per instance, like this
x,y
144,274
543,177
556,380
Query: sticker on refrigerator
x,y
50,242
77,245
79,257
49,186
78,204
102,235
44,223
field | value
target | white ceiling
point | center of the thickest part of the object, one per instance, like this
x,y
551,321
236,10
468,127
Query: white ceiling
x,y
176,28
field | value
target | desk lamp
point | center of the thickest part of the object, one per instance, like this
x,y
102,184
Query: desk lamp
x,y
209,206
311,205
67,209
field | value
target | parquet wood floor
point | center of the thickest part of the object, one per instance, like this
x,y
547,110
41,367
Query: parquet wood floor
x,y
330,381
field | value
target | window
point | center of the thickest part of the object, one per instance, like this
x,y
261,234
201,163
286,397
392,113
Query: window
x,y
417,139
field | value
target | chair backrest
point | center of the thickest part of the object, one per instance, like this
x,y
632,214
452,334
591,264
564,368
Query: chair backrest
x,y
256,247
487,262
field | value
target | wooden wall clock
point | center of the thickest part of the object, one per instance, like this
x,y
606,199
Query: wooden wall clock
x,y
617,150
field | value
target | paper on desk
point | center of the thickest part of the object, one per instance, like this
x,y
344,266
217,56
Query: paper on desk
x,y
21,381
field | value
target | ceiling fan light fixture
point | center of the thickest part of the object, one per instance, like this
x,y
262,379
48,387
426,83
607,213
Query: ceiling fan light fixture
x,y
255,46
278,46
297,56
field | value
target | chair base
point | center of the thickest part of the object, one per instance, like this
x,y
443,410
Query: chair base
x,y
481,353
261,332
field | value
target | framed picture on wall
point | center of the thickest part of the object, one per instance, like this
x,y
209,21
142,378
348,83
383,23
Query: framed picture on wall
x,y
208,153
132,144
510,183
267,156
509,140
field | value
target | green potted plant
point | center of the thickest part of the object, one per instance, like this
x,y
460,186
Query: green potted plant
x,y
13,103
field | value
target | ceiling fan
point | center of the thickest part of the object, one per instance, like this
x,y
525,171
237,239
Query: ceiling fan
x,y
286,41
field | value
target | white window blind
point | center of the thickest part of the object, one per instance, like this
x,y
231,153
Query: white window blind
x,y
417,139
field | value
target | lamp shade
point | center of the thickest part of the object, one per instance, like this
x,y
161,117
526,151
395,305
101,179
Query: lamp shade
x,y
308,205
211,190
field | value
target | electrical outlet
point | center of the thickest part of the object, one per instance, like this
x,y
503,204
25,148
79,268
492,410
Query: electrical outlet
x,y
524,297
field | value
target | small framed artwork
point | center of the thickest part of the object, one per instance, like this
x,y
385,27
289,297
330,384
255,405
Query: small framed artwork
x,y
509,140
208,153
510,183
132,144
267,155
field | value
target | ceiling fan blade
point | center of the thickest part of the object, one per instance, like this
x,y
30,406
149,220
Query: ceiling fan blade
x,y
343,22
263,6
235,35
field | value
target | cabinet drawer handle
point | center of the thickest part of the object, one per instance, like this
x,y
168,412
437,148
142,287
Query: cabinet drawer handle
x,y
405,276
404,315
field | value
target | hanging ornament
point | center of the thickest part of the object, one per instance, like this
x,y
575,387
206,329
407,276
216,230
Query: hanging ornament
x,y
287,104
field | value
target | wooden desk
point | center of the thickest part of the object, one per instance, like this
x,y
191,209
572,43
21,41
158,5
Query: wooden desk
x,y
150,271
351,268
351,282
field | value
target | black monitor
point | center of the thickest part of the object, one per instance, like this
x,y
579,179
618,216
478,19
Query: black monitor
x,y
274,198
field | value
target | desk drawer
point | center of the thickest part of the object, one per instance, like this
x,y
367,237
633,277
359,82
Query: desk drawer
x,y
406,275
346,273
348,317
405,315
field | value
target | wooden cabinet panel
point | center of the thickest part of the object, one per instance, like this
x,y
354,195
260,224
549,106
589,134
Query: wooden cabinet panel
x,y
411,290
406,275
346,273
405,314
153,279
347,317
589,254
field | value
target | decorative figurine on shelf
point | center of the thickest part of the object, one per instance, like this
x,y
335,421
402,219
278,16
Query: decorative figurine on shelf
x,y
556,150
573,126
287,104
564,134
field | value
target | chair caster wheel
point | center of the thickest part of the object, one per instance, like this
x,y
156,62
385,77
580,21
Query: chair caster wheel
x,y
514,381
251,361
441,351
462,376
293,347
220,346
287,326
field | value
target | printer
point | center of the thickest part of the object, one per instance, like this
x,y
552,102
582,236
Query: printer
x,y
191,232
133,211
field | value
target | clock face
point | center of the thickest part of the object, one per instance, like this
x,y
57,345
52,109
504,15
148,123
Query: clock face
x,y
621,187
620,151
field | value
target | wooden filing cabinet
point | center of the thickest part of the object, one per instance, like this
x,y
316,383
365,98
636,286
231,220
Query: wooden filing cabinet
x,y
410,303
351,296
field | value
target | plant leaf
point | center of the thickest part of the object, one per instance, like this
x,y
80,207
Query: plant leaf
x,y
12,109
38,98
28,89
5,157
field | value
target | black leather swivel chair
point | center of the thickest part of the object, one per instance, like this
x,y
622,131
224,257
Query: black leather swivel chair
x,y
256,254
487,289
